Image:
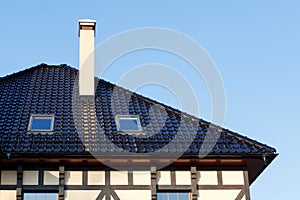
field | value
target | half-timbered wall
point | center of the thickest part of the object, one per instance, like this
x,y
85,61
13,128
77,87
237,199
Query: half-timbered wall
x,y
225,185
93,184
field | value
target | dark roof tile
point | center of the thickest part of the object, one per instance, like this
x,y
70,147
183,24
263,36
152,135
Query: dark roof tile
x,y
50,90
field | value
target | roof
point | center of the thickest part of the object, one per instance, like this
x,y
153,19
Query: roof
x,y
48,89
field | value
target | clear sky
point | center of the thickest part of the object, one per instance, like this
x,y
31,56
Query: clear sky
x,y
255,45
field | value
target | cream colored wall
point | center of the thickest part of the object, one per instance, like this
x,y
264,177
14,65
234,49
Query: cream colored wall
x,y
141,177
8,177
8,194
183,177
86,62
81,194
164,178
30,177
207,178
73,177
119,177
228,178
51,177
233,177
218,194
96,177
134,194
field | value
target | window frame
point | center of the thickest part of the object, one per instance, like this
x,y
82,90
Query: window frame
x,y
136,117
41,116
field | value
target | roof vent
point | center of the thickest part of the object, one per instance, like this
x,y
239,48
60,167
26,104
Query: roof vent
x,y
86,57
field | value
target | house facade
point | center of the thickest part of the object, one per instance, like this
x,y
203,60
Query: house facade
x,y
64,137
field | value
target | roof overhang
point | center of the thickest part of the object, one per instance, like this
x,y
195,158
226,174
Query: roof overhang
x,y
254,164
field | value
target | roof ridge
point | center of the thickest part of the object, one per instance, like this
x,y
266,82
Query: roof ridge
x,y
34,68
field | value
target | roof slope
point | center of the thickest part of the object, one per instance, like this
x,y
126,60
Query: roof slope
x,y
50,90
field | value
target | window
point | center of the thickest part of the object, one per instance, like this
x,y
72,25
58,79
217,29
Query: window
x,y
40,196
41,123
173,196
128,123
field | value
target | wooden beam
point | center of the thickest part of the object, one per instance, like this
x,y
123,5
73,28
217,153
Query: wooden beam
x,y
174,187
240,195
153,183
173,178
220,179
107,184
194,183
114,195
41,177
130,178
246,185
61,187
84,177
101,195
112,187
19,182
220,187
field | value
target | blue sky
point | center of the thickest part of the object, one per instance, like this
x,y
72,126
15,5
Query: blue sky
x,y
255,45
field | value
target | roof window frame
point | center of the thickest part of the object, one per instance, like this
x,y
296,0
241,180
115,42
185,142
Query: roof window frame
x,y
41,116
136,117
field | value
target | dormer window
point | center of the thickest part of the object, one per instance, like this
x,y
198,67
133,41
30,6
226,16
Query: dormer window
x,y
128,123
41,123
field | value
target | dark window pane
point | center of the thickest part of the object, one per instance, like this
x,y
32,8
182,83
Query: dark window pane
x,y
41,123
129,124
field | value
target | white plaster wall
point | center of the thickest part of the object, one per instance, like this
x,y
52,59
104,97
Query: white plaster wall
x,y
233,177
217,194
141,177
96,177
164,178
51,177
207,178
9,178
119,177
30,177
81,194
183,177
86,60
73,177
8,194
134,194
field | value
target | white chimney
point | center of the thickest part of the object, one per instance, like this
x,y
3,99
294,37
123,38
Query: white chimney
x,y
86,57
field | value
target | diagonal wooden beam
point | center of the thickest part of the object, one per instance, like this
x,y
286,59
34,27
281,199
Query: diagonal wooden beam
x,y
101,195
114,195
240,195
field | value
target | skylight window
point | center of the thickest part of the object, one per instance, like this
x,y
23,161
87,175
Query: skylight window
x,y
41,123
128,123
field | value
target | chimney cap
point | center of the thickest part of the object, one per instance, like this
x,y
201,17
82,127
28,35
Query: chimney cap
x,y
87,22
